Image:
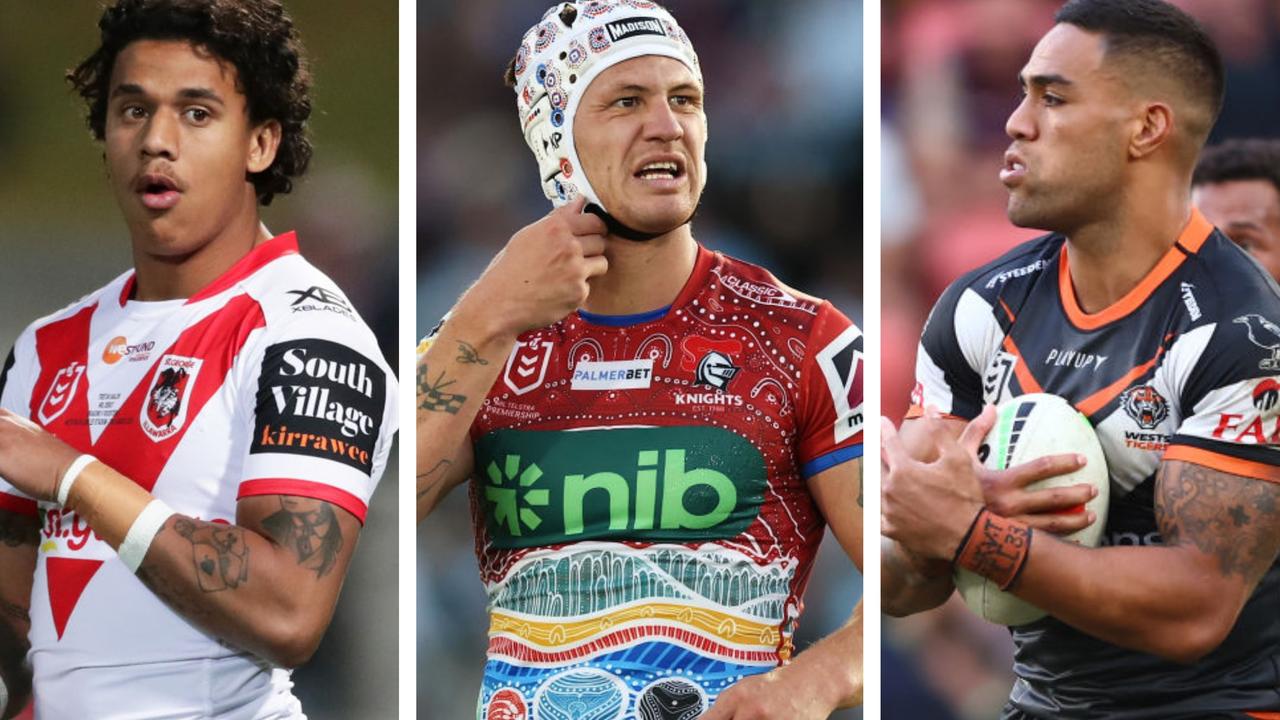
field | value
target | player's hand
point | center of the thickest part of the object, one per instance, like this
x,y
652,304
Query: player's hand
x,y
1057,510
791,692
541,275
31,459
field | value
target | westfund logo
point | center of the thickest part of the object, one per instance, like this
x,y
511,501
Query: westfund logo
x,y
321,399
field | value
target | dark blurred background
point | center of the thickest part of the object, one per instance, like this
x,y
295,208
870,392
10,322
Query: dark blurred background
x,y
949,81
784,108
61,236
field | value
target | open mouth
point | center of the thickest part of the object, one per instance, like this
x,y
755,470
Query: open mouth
x,y
661,170
158,192
1014,169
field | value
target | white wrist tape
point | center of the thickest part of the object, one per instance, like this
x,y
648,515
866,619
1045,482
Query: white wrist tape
x,y
69,477
142,532
4,697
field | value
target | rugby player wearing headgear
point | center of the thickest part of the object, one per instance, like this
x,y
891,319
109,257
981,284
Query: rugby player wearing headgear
x,y
1237,186
655,432
187,453
1161,331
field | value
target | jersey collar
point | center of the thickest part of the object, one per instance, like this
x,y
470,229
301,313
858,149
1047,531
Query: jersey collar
x,y
273,249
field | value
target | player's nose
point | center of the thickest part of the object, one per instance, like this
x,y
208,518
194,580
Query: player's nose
x,y
662,123
1020,125
160,137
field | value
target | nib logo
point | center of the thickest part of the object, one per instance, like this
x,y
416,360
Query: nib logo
x,y
507,500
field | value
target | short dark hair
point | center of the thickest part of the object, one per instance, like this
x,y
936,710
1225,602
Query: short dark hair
x,y
1158,31
1251,159
256,36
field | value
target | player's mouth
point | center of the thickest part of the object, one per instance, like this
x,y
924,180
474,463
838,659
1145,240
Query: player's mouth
x,y
158,191
1014,170
660,172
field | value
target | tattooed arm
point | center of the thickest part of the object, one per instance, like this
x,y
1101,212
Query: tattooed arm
x,y
19,536
1180,600
267,584
539,277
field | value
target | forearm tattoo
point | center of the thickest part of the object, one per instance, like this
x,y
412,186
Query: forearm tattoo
x,y
431,393
17,530
467,354
431,479
1234,519
309,528
219,553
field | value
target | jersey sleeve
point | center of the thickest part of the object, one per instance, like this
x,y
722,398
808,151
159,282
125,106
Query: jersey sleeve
x,y
830,406
1234,398
323,411
960,329
15,396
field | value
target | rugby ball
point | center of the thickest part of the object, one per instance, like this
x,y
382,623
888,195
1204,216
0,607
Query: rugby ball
x,y
1028,427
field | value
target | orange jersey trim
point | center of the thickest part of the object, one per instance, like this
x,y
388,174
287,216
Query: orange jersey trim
x,y
1096,401
1225,463
1189,241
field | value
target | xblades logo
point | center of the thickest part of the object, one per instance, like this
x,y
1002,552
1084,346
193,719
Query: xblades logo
x,y
320,295
507,500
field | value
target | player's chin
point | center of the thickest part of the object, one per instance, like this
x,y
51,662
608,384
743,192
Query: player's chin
x,y
657,215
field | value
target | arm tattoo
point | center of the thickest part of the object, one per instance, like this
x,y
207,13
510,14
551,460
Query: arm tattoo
x,y
1234,519
467,355
431,479
219,553
17,530
310,528
431,394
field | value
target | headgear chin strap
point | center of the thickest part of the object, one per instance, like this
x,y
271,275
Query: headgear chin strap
x,y
558,58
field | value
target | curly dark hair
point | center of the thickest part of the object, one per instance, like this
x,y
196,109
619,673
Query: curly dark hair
x,y
256,36
1245,159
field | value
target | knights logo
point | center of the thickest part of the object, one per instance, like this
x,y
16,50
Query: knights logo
x,y
169,396
710,360
527,366
1145,405
61,391
715,369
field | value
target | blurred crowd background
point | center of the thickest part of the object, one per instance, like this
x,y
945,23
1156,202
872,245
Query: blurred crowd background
x,y
61,236
784,108
949,77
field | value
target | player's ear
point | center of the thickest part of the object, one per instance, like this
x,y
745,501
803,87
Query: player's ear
x,y
1155,127
264,141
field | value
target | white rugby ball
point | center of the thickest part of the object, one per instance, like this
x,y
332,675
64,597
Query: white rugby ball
x,y
1028,427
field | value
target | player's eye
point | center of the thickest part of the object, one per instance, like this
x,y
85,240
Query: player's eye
x,y
133,112
197,115
627,102
1052,100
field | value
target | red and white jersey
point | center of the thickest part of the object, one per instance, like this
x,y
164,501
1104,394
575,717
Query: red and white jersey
x,y
266,382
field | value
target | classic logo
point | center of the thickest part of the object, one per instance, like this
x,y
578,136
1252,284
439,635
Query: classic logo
x,y
166,410
527,366
841,364
612,375
61,390
659,483
633,26
120,348
1145,405
1266,335
320,399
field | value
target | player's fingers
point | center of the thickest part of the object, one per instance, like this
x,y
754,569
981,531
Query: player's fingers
x,y
1068,499
978,428
574,207
1042,468
592,245
596,265
892,452
586,224
1060,523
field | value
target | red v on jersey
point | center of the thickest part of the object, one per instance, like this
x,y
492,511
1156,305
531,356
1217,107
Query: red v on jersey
x,y
126,445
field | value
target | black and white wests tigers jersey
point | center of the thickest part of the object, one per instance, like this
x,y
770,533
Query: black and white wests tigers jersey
x,y
1184,367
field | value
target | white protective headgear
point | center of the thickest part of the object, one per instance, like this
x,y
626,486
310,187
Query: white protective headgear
x,y
560,56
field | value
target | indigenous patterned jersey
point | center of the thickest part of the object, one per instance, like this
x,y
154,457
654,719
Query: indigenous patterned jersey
x,y
644,528
1185,367
264,383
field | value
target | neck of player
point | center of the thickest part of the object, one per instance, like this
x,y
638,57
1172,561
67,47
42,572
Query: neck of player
x,y
165,276
1109,257
645,275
